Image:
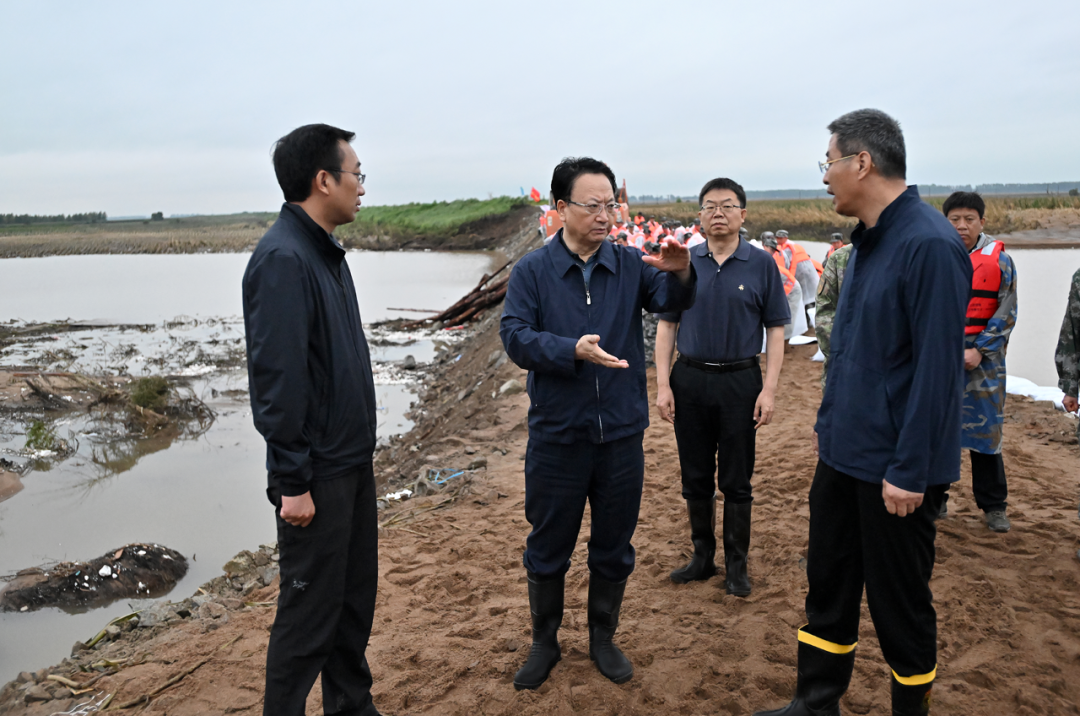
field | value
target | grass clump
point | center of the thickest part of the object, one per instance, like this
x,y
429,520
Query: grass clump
x,y
40,436
150,393
439,218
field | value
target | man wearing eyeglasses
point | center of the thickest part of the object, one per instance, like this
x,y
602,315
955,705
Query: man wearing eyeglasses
x,y
714,395
888,430
572,318
313,400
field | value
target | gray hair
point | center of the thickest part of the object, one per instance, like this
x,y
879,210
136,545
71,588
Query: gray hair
x,y
873,131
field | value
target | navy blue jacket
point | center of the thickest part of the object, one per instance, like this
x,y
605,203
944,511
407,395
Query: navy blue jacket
x,y
309,371
893,398
548,309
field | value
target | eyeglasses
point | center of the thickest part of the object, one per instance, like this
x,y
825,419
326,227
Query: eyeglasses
x,y
710,209
594,209
824,166
359,177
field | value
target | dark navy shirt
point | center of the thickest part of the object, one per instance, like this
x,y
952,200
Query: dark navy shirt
x,y
892,403
734,302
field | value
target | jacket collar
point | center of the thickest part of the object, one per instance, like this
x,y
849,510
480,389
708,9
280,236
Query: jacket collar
x,y
981,243
317,234
862,235
564,260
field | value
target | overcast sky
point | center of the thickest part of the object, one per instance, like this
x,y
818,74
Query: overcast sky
x,y
135,107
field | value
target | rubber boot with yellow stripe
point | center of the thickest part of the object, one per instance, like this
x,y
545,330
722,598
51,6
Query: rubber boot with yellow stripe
x,y
911,694
824,674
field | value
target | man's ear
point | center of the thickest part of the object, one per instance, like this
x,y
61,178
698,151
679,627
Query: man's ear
x,y
321,183
865,163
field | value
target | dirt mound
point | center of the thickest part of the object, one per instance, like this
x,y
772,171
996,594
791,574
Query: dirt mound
x,y
134,570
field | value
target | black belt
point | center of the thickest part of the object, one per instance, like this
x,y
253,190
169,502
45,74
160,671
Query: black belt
x,y
719,367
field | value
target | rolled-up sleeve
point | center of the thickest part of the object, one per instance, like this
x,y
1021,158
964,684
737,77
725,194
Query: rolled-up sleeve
x,y
521,330
276,307
935,301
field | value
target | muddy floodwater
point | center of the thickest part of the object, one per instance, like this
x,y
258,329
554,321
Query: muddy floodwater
x,y
201,493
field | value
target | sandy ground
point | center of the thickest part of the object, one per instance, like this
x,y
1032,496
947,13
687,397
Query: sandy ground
x,y
451,623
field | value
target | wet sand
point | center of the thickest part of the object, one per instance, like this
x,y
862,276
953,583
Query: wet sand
x,y
451,624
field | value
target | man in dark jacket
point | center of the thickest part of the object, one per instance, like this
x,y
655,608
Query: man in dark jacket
x,y
888,430
589,405
313,400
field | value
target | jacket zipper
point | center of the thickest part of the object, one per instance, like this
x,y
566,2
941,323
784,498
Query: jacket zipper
x,y
596,375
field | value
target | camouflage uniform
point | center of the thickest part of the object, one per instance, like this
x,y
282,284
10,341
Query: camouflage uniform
x,y
984,394
1067,355
828,296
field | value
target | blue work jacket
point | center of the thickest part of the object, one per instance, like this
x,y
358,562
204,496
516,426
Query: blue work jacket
x,y
892,403
548,308
309,371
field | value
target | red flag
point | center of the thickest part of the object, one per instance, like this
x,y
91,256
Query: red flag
x,y
534,194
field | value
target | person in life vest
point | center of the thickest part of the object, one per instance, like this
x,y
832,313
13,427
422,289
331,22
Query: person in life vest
x,y
800,263
991,317
797,326
552,223
835,242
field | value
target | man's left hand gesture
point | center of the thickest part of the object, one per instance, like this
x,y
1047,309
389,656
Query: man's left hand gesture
x,y
899,502
673,257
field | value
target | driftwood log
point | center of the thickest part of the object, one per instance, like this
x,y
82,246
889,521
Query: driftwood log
x,y
486,294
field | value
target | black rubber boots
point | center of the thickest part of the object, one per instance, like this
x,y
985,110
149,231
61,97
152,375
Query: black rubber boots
x,y
823,679
546,606
605,600
910,700
702,515
736,547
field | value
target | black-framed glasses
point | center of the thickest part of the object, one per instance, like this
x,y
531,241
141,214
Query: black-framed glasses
x,y
710,209
359,177
594,209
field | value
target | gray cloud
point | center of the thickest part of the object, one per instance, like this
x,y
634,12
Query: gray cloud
x,y
132,107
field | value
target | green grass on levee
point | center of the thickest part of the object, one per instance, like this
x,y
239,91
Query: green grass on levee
x,y
439,218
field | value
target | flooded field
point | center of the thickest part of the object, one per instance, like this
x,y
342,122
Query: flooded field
x,y
199,489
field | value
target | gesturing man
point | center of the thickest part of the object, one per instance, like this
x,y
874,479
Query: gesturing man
x,y
313,400
888,430
714,395
572,318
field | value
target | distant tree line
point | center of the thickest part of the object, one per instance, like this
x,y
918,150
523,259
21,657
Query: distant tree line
x,y
89,218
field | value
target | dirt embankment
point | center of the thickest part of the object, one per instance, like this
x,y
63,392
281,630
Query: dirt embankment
x,y
452,623
487,233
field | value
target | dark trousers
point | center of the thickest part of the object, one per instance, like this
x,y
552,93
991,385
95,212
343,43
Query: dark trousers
x,y
558,480
329,575
987,482
714,428
855,541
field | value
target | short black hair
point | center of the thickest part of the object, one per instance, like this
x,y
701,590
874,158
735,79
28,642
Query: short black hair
x,y
570,168
722,183
964,200
300,154
873,131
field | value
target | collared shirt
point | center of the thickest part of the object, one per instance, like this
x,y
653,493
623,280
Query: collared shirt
x,y
892,404
735,301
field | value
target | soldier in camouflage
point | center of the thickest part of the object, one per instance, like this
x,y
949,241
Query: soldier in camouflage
x,y
1067,355
984,361
828,297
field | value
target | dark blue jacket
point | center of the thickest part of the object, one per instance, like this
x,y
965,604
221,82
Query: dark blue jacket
x,y
892,402
309,371
548,309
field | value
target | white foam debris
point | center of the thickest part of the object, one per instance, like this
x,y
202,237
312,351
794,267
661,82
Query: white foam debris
x,y
802,340
105,571
399,495
1022,386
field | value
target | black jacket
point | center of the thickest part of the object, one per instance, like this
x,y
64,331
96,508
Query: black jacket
x,y
309,371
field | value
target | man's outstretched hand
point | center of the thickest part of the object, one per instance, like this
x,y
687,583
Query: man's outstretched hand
x,y
588,348
674,257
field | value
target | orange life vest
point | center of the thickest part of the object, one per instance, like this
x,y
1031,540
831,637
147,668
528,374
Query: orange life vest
x,y
785,273
552,222
985,282
820,269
